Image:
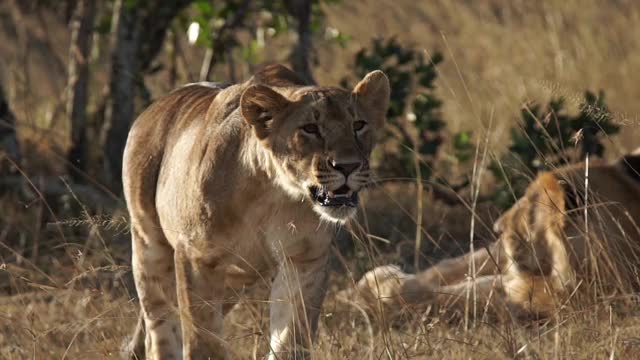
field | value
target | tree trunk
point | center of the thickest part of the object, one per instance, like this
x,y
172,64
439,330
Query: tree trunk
x,y
301,55
81,34
138,34
125,72
8,139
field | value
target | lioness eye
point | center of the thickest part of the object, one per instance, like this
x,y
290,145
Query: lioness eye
x,y
359,125
311,129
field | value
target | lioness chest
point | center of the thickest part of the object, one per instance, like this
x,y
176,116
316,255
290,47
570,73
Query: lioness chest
x,y
227,217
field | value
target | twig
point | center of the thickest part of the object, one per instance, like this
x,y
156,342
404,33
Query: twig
x,y
447,194
586,196
54,186
420,190
366,319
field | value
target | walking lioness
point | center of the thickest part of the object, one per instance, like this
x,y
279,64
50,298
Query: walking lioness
x,y
225,184
557,244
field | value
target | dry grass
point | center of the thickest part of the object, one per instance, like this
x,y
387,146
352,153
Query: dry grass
x,y
78,324
62,307
70,297
499,53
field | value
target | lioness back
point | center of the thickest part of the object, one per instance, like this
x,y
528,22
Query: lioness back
x,y
149,135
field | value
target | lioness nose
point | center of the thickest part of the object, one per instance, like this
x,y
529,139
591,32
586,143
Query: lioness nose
x,y
345,168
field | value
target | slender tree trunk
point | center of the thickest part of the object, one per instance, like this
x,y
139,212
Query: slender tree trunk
x,y
125,71
233,77
172,47
207,65
81,35
301,55
138,34
8,139
222,39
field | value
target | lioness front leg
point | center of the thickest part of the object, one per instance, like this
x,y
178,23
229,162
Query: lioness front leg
x,y
388,285
296,299
200,286
452,272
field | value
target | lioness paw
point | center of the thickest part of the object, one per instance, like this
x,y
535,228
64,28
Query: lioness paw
x,y
381,285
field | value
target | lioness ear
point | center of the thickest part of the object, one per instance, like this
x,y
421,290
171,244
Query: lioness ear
x,y
543,206
373,94
259,104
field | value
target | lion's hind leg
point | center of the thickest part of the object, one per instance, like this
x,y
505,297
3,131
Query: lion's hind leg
x,y
201,295
154,276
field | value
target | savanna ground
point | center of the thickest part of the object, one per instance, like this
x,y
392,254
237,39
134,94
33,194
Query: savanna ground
x,y
65,279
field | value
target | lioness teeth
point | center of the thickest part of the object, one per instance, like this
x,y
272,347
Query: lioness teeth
x,y
334,195
339,197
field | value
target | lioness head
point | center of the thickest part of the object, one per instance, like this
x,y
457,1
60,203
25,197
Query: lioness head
x,y
320,138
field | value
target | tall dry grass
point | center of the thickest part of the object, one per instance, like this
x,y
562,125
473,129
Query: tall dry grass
x,y
499,53
69,295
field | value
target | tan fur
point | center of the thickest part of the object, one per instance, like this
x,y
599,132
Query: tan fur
x,y
217,185
545,256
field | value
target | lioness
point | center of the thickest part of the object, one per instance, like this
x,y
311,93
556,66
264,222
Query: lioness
x,y
551,244
225,184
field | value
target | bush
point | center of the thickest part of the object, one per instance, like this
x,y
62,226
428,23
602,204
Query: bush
x,y
414,118
549,137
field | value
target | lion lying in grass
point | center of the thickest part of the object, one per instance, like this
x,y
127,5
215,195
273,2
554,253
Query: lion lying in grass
x,y
552,250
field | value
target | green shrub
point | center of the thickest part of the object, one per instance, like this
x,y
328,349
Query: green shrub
x,y
414,118
550,137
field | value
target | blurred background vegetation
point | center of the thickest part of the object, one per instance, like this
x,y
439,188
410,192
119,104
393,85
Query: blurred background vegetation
x,y
475,87
484,95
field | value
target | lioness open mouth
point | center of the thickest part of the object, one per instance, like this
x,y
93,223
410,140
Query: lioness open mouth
x,y
337,198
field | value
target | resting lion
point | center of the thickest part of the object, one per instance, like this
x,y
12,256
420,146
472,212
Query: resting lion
x,y
225,184
546,252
